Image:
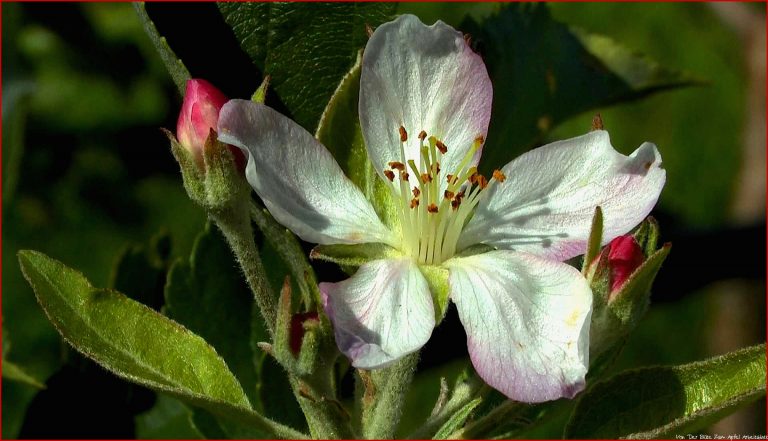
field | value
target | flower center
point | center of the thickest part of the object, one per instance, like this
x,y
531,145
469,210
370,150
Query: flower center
x,y
432,218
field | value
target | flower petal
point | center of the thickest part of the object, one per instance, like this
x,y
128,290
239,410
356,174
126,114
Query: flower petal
x,y
381,313
298,179
545,206
423,78
527,323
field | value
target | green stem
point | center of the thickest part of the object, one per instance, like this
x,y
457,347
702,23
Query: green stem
x,y
384,396
175,67
289,249
235,223
483,426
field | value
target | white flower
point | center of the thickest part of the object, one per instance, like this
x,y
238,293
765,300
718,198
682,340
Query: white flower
x,y
425,103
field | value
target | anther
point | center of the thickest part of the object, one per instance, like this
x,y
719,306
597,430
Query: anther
x,y
436,168
451,179
455,204
403,134
390,175
499,176
432,208
448,194
414,202
422,135
426,177
395,165
404,175
479,139
482,182
440,146
460,195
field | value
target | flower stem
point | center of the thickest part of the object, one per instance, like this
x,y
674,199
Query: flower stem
x,y
384,396
235,223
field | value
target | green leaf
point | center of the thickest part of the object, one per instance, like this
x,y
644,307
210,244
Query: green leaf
x,y
208,295
305,47
660,402
175,67
457,419
543,72
138,344
169,418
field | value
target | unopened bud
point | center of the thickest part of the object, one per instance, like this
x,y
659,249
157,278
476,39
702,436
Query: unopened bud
x,y
297,329
199,114
624,257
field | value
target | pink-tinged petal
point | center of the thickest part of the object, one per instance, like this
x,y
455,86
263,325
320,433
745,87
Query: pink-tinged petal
x,y
546,204
422,78
199,114
298,179
527,322
381,313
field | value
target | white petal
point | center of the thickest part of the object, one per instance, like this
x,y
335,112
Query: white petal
x,y
527,323
423,78
298,179
381,313
546,204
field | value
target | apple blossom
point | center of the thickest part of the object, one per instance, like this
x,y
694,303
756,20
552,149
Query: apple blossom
x,y
425,105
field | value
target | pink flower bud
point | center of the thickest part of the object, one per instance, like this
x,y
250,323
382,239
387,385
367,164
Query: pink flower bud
x,y
199,114
624,257
297,329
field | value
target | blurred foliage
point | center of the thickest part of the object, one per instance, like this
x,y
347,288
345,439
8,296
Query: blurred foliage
x,y
87,176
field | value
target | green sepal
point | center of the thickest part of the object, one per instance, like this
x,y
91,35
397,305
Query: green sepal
x,y
647,236
616,318
216,184
437,280
260,95
661,402
594,241
353,255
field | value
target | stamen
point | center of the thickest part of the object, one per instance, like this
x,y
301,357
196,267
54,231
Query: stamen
x,y
403,134
482,182
432,208
449,178
448,194
414,202
390,175
426,177
440,146
404,176
498,175
416,192
395,165
422,136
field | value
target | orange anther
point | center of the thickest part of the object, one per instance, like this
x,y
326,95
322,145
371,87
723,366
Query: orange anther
x,y
499,176
440,146
422,135
414,202
390,175
432,208
403,134
448,194
416,192
394,165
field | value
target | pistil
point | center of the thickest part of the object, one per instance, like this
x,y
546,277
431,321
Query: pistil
x,y
432,220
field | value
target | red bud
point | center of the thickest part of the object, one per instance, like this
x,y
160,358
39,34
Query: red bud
x,y
199,114
624,257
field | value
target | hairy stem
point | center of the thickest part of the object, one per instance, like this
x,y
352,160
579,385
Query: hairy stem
x,y
235,223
